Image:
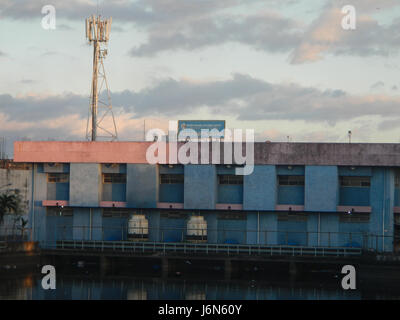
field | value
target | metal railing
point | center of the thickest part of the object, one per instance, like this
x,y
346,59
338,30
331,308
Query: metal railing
x,y
203,248
364,241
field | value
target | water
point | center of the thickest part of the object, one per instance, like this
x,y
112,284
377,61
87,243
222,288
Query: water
x,y
84,287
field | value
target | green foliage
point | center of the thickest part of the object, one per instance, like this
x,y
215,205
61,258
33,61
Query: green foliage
x,y
9,203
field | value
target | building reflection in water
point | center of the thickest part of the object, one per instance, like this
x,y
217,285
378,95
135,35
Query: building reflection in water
x,y
81,288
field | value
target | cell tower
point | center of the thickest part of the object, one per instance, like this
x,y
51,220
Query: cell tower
x,y
98,34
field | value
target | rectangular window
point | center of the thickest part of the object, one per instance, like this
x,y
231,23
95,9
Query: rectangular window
x,y
57,177
230,179
115,213
355,217
173,215
292,216
171,178
114,178
291,180
231,216
355,182
59,212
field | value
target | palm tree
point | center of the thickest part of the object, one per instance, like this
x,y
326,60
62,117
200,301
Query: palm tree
x,y
8,204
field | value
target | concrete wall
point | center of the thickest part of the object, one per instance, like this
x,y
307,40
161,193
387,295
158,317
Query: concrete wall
x,y
85,185
256,197
200,193
341,154
321,188
142,185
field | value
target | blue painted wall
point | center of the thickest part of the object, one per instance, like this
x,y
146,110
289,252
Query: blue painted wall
x,y
154,225
115,229
260,189
172,229
37,217
119,192
353,234
97,223
321,188
252,229
62,191
291,195
81,223
142,185
232,231
354,196
329,228
292,233
212,227
382,203
172,193
230,193
59,228
200,187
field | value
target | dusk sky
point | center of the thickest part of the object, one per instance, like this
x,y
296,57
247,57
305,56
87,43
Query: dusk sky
x,y
281,67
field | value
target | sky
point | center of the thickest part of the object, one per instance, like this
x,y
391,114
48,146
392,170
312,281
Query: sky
x,y
285,68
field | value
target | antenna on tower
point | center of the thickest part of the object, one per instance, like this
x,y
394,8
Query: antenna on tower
x,y
98,34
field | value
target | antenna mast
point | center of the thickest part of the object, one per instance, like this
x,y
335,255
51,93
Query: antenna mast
x,y
98,34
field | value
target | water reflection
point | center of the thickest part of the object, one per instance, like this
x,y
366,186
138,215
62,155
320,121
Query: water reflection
x,y
127,288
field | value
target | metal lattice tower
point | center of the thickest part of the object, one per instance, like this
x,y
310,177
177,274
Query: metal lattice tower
x,y
98,34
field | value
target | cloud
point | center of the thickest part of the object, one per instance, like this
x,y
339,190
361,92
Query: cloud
x,y
242,97
326,35
264,31
36,108
377,85
27,81
189,25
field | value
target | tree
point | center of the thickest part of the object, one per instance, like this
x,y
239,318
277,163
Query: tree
x,y
9,203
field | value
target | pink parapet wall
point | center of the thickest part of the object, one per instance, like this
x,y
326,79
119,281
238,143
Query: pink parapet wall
x,y
81,152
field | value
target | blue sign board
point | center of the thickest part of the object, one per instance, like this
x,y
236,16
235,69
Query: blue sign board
x,y
198,125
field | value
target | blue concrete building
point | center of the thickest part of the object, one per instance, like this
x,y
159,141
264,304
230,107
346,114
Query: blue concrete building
x,y
310,194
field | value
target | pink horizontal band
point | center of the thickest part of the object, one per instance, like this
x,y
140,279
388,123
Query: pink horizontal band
x,y
227,206
112,204
168,205
55,203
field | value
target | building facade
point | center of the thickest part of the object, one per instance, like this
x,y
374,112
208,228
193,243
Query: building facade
x,y
299,194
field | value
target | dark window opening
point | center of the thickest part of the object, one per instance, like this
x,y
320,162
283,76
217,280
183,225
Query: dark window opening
x,y
59,212
355,182
114,178
171,178
115,213
291,180
230,179
292,216
58,177
354,217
